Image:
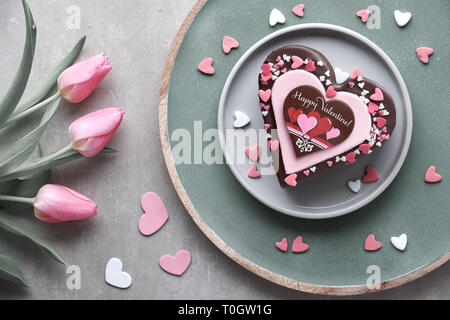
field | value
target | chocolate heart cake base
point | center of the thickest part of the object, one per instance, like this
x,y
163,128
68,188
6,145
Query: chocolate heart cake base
x,y
320,123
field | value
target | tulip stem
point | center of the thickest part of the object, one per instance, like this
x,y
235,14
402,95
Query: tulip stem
x,y
53,156
31,110
17,199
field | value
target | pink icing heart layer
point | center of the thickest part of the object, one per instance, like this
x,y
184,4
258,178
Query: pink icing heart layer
x,y
296,78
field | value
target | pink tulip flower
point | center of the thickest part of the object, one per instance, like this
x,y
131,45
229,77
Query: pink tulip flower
x,y
54,204
77,82
91,133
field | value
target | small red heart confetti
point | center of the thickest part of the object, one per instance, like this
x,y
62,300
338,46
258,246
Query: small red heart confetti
x,y
298,10
253,153
296,62
229,43
378,95
371,244
371,175
206,66
424,53
265,94
298,246
431,176
363,14
310,67
254,173
351,157
331,93
265,68
365,148
282,245
291,180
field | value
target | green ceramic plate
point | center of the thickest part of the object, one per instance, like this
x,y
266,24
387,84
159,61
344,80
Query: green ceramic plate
x,y
245,229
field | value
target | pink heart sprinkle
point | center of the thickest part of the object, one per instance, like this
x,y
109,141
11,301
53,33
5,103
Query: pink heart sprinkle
x,y
363,14
282,245
274,145
424,53
306,172
176,265
372,108
155,214
298,246
431,176
310,67
371,244
265,94
378,95
306,124
253,153
330,163
229,43
356,74
298,10
371,175
267,126
365,148
297,62
266,77
351,157
291,180
206,66
331,93
266,68
381,122
333,133
351,84
254,173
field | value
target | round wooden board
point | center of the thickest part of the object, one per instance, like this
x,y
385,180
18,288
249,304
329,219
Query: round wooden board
x,y
231,253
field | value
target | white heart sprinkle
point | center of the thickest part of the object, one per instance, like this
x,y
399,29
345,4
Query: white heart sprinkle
x,y
344,159
265,113
322,78
241,119
268,136
402,18
115,276
320,63
359,79
381,107
355,186
357,152
378,144
400,242
370,151
328,73
276,17
274,77
313,169
287,58
361,84
338,159
364,92
306,61
341,76
328,82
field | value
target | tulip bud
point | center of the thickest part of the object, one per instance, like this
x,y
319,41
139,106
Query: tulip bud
x,y
91,133
55,204
77,82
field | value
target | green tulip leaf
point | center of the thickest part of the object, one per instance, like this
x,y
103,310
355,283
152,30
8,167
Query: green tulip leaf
x,y
8,224
50,82
10,271
31,169
15,92
23,148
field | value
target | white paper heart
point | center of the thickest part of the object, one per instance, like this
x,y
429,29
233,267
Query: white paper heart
x,y
241,119
400,242
355,186
276,17
402,18
341,76
115,276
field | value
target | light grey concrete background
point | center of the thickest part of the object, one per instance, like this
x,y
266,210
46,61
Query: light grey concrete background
x,y
136,35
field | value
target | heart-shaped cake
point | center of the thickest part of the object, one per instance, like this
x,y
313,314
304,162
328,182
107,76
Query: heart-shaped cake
x,y
320,123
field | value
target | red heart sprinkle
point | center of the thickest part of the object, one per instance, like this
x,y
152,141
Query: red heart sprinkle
x,y
363,14
365,148
298,246
381,122
331,93
371,175
378,95
372,108
282,245
351,157
310,67
371,244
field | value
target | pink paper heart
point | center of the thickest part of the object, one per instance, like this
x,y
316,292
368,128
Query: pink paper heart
x,y
333,133
176,265
306,124
265,94
155,214
424,53
297,62
229,43
364,15
206,66
298,10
